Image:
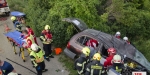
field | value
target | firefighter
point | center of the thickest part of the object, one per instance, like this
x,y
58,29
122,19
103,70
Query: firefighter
x,y
16,23
117,64
111,53
30,32
37,59
126,39
46,38
95,67
82,61
92,44
29,40
117,35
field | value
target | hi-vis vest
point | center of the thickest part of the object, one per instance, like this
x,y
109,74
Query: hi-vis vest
x,y
38,56
31,38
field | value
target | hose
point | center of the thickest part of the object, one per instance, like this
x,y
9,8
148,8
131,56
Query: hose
x,y
21,65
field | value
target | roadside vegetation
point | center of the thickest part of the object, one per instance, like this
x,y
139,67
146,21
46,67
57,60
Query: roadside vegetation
x,y
130,17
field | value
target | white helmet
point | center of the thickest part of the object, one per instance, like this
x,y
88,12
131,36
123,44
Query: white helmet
x,y
12,73
125,38
118,33
117,59
34,47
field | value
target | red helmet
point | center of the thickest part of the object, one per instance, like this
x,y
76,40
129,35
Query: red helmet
x,y
111,50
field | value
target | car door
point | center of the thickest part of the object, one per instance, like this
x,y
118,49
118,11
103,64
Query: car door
x,y
77,23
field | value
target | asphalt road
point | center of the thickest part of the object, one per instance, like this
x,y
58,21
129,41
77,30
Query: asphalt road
x,y
6,51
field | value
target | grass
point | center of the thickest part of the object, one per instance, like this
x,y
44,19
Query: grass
x,y
68,64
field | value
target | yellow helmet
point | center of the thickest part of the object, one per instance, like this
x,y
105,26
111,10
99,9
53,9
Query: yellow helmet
x,y
86,51
97,56
47,27
13,18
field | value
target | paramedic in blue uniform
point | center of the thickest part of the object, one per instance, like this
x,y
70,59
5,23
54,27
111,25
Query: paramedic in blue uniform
x,y
6,68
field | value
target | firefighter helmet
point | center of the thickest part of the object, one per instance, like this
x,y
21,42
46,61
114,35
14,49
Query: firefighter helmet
x,y
34,47
125,38
12,73
111,50
97,56
47,27
117,59
13,18
86,51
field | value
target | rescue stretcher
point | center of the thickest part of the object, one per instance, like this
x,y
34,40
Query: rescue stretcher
x,y
14,37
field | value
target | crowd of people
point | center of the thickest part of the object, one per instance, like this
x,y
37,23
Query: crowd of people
x,y
89,61
92,66
37,55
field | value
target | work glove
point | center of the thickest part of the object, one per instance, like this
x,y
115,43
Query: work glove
x,y
125,65
38,68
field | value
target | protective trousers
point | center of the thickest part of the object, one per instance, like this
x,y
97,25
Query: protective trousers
x,y
47,49
42,67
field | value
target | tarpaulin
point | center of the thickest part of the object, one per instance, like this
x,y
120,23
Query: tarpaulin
x,y
17,13
16,36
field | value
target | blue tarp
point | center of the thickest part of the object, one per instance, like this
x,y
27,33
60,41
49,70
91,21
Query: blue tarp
x,y
17,13
16,36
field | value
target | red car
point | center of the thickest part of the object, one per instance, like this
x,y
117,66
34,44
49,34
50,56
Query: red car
x,y
105,41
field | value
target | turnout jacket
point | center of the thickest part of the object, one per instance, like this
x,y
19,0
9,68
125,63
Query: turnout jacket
x,y
80,64
46,37
37,57
94,68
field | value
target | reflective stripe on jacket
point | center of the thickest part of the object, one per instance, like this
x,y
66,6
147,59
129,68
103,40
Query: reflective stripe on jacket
x,y
38,57
118,67
81,64
31,38
45,41
94,68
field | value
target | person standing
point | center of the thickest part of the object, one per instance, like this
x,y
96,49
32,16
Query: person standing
x,y
117,64
46,38
126,39
82,61
37,59
6,68
29,40
92,44
94,67
16,23
111,53
118,35
30,32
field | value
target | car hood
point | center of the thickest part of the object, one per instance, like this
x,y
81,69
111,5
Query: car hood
x,y
139,57
124,48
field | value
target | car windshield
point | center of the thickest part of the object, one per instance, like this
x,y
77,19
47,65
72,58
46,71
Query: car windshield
x,y
139,57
